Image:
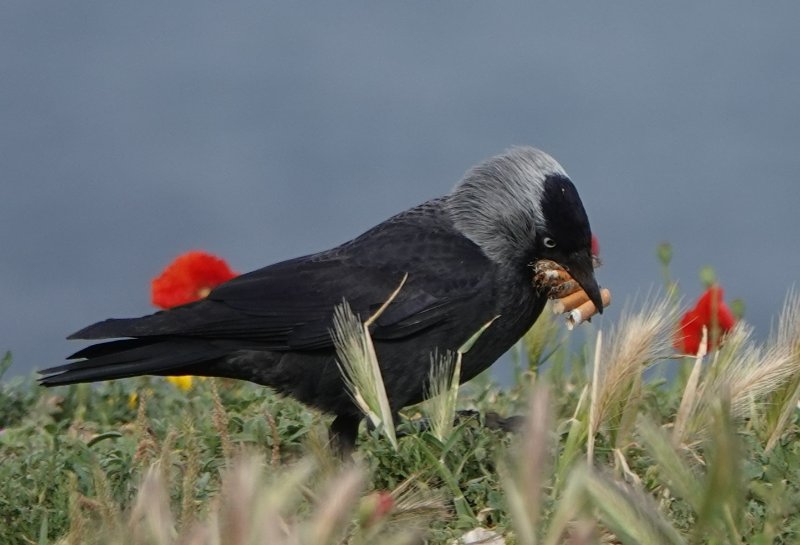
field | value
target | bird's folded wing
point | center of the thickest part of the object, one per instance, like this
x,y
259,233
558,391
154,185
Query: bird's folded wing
x,y
290,305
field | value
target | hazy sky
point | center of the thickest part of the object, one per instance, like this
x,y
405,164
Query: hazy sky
x,y
132,132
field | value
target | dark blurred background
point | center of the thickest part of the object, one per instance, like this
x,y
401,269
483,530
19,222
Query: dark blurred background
x,y
132,132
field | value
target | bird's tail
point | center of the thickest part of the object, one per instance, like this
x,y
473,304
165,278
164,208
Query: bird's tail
x,y
131,358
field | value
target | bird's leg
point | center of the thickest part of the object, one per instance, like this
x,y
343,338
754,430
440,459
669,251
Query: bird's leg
x,y
344,431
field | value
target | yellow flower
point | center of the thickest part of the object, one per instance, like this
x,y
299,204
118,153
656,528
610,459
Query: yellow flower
x,y
182,382
133,400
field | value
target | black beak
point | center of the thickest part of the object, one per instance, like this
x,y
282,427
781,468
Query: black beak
x,y
581,267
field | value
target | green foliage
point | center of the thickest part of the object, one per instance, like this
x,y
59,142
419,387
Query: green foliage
x,y
16,398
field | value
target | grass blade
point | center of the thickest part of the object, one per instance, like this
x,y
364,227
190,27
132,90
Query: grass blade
x,y
442,393
359,367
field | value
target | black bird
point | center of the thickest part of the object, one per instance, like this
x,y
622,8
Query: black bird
x,y
468,257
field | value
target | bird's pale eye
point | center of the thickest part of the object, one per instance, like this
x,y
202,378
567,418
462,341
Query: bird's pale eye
x,y
549,242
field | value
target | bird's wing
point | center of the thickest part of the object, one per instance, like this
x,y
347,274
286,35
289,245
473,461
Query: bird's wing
x,y
290,305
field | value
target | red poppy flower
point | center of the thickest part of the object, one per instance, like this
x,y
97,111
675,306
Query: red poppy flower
x,y
711,312
374,507
595,246
189,278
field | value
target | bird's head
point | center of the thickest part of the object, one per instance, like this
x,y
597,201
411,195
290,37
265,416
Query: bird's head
x,y
519,207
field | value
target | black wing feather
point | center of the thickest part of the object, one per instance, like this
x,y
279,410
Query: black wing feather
x,y
146,358
289,305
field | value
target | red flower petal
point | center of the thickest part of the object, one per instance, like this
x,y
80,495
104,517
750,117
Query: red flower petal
x,y
711,312
710,301
188,278
595,246
378,505
690,333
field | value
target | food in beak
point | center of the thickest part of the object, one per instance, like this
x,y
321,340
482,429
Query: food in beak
x,y
567,295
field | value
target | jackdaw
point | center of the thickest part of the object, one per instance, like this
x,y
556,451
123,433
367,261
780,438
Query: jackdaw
x,y
468,258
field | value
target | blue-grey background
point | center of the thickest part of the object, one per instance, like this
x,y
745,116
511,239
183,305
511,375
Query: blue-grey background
x,y
132,132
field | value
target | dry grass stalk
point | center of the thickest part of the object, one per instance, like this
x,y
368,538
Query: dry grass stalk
x,y
219,416
146,447
629,512
276,440
576,428
242,511
689,397
751,375
359,367
636,343
444,379
416,508
788,336
674,468
151,520
621,465
110,514
789,323
333,513
724,488
442,392
358,364
788,407
524,479
77,524
317,447
594,404
191,470
254,511
569,507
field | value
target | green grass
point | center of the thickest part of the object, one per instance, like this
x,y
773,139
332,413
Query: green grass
x,y
600,458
